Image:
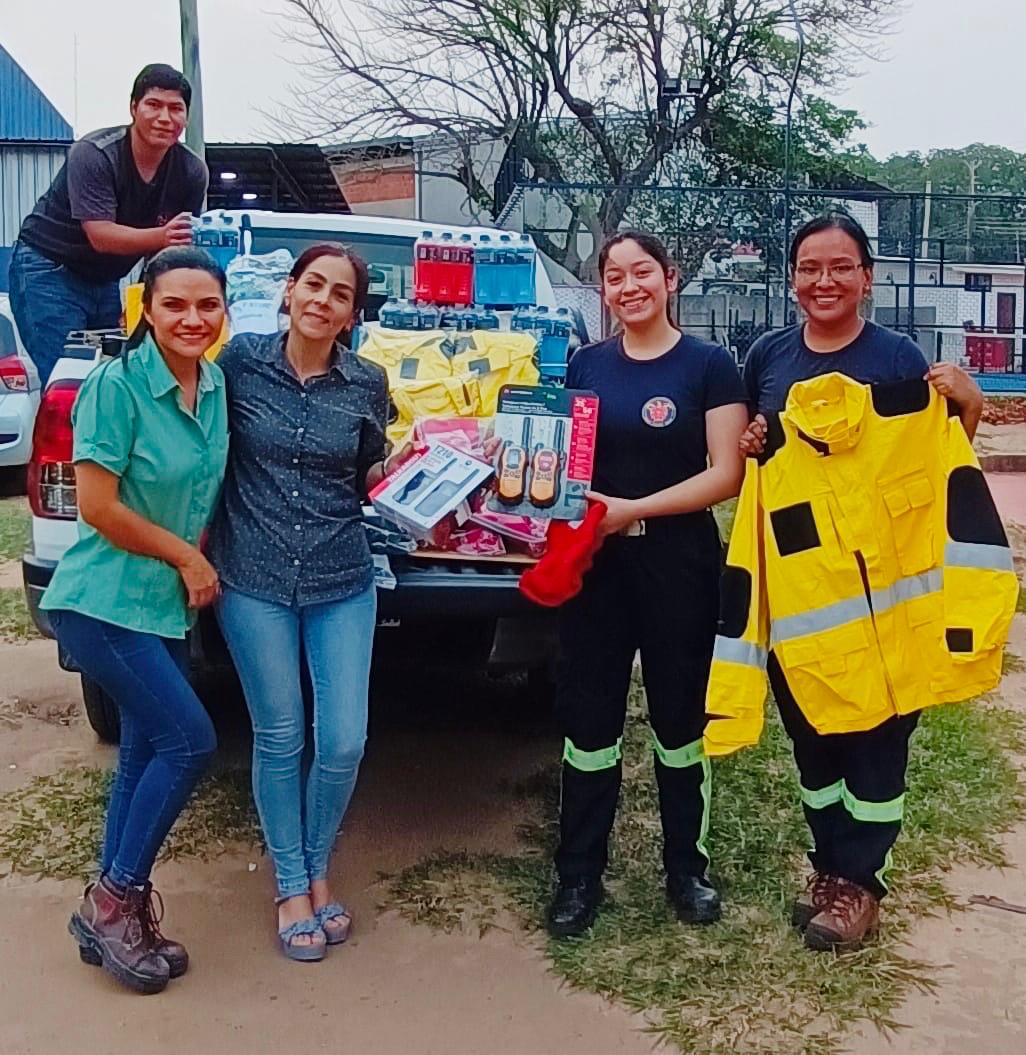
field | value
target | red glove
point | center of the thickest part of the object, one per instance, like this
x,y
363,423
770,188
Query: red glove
x,y
559,575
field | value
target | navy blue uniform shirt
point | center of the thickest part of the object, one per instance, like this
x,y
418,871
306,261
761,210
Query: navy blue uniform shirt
x,y
651,422
289,527
778,359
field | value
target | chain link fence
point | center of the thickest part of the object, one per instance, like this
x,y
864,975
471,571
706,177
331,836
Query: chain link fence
x,y
950,271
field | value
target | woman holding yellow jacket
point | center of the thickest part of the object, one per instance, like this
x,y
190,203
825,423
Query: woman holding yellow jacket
x,y
852,783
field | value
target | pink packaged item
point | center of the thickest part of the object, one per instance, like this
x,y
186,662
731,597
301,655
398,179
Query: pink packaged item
x,y
462,434
475,542
530,530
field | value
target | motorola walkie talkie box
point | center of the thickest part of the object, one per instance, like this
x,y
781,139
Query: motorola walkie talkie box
x,y
425,489
544,464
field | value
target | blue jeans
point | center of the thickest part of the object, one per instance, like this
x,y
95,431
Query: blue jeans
x,y
301,811
167,737
48,301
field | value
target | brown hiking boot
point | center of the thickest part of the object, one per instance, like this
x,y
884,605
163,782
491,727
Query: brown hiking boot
x,y
818,892
852,916
110,924
151,915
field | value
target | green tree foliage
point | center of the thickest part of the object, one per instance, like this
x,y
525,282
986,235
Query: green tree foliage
x,y
580,89
971,230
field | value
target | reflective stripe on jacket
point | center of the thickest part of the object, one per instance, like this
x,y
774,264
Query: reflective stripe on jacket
x,y
868,555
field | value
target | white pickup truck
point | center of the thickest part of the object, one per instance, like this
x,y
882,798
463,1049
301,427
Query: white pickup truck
x,y
472,611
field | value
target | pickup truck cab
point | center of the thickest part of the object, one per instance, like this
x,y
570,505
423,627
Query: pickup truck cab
x,y
470,611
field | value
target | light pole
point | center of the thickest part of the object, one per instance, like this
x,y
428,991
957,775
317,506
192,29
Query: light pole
x,y
787,156
191,68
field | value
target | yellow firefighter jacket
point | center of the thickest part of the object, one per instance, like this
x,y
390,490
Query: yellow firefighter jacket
x,y
434,374
868,555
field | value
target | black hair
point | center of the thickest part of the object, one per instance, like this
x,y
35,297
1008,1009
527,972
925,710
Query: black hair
x,y
175,258
341,252
649,244
164,78
839,221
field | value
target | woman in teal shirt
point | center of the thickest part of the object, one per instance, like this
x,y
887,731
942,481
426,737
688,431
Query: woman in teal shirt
x,y
151,441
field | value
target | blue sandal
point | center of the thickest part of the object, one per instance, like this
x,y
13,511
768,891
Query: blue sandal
x,y
334,933
311,953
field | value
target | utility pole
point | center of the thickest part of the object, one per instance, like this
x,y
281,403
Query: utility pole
x,y
191,68
927,212
786,247
970,212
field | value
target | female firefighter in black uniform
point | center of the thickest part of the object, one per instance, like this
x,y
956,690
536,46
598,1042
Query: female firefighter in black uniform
x,y
672,410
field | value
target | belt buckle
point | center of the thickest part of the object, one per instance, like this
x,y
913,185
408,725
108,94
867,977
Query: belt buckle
x,y
634,530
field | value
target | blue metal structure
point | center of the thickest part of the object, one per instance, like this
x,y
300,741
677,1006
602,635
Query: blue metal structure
x,y
26,115
34,139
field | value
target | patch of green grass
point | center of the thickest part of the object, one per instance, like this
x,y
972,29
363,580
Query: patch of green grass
x,y
15,622
15,528
1020,604
745,985
54,825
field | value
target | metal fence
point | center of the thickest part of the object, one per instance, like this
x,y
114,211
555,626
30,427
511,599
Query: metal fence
x,y
950,271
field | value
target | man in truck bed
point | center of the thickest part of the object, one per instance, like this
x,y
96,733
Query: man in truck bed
x,y
124,193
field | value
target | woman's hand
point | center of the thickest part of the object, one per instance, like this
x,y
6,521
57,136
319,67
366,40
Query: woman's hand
x,y
396,458
753,439
953,383
620,512
200,579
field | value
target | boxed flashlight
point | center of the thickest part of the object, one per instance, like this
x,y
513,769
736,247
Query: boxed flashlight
x,y
429,486
547,453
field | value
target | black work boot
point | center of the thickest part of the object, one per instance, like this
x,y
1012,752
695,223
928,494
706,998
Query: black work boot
x,y
693,898
151,908
574,906
108,923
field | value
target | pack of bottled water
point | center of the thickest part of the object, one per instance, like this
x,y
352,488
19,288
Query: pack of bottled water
x,y
256,286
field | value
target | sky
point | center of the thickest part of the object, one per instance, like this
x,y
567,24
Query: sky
x,y
952,75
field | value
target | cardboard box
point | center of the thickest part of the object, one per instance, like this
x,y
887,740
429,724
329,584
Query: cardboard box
x,y
428,487
548,451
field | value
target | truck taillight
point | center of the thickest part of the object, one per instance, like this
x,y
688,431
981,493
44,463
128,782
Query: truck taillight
x,y
12,374
51,473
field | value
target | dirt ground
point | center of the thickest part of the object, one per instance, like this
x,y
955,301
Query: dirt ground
x,y
431,780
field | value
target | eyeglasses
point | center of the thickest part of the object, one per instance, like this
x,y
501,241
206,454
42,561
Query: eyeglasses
x,y
839,272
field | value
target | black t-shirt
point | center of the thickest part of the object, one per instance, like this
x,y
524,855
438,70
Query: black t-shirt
x,y
777,360
651,422
99,181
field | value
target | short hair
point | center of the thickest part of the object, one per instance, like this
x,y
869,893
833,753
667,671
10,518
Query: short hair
x,y
164,78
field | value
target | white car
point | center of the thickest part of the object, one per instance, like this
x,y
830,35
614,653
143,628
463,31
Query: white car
x,y
19,393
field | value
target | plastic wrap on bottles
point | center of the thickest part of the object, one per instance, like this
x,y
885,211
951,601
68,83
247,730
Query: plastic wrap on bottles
x,y
256,285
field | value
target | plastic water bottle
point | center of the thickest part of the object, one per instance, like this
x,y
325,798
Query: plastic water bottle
x,y
449,319
204,233
487,319
554,344
464,280
424,257
484,270
428,316
526,262
505,271
388,315
408,316
227,241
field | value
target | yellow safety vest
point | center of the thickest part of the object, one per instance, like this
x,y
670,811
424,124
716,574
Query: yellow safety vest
x,y
868,555
435,374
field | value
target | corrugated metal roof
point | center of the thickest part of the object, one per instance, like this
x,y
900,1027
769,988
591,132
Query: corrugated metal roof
x,y
26,115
